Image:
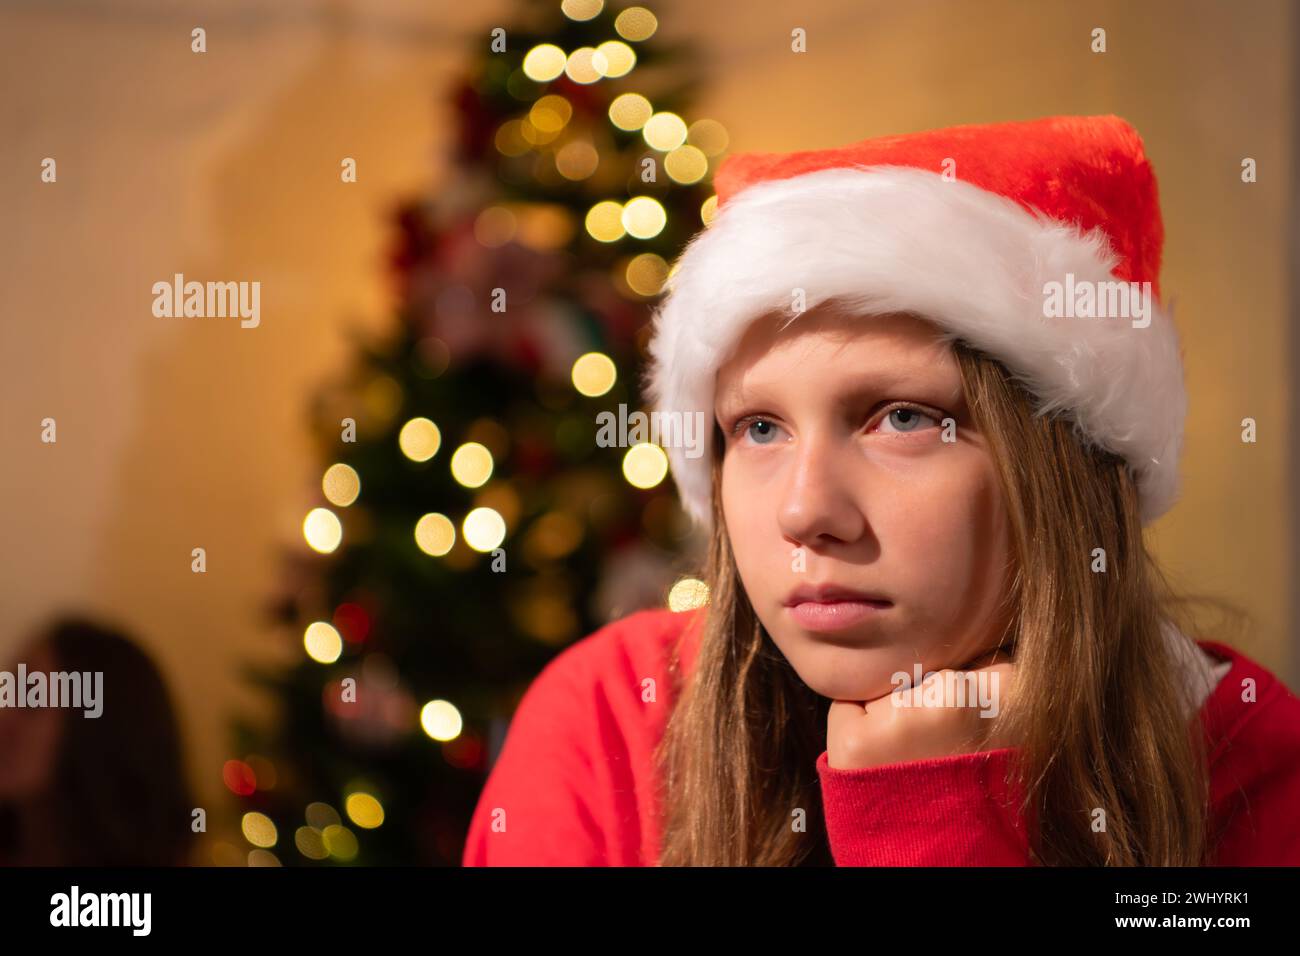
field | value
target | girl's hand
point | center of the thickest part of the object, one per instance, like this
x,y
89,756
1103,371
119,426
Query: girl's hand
x,y
883,731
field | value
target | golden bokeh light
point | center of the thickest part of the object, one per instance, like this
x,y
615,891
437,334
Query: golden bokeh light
x,y
605,221
687,594
550,114
364,810
644,217
630,111
708,209
594,374
309,843
483,529
510,140
435,534
686,165
636,24
576,160
645,274
441,720
664,131
645,465
554,535
322,529
582,9
323,642
544,63
340,842
581,67
341,484
321,815
709,136
614,58
471,464
495,226
419,439
258,829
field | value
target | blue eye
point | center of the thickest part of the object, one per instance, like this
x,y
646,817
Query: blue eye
x,y
907,419
761,431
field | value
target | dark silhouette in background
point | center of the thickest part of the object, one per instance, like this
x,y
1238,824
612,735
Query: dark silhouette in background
x,y
103,791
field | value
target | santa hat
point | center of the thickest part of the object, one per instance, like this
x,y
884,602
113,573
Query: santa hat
x,y
965,226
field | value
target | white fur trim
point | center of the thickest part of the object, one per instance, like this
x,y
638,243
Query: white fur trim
x,y
893,238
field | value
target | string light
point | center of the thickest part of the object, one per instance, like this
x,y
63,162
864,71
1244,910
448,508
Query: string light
x,y
322,530
435,535
630,111
687,594
605,221
644,217
664,131
258,829
645,465
471,464
340,842
364,810
341,484
544,62
582,9
636,24
614,59
594,374
686,165
419,439
323,643
441,720
484,529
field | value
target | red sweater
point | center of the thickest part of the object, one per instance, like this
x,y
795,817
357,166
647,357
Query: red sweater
x,y
574,784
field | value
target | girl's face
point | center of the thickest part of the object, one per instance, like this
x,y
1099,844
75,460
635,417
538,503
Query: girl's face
x,y
836,474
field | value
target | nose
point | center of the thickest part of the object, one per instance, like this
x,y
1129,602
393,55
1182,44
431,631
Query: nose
x,y
819,501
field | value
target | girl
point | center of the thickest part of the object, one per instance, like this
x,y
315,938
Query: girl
x,y
110,790
934,634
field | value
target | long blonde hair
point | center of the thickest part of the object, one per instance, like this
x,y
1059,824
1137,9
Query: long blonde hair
x,y
1098,713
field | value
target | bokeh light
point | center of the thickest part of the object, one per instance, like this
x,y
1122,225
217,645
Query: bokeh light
x,y
605,221
594,374
644,217
419,439
441,720
322,529
664,131
687,594
645,465
435,535
341,484
544,63
636,24
630,111
484,529
471,464
258,829
323,643
364,810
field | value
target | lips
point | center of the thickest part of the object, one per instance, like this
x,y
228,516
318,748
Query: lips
x,y
829,607
832,594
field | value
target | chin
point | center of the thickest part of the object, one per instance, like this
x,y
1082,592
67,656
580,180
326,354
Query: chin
x,y
842,672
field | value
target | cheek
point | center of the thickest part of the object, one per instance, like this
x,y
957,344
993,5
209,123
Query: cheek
x,y
947,530
757,544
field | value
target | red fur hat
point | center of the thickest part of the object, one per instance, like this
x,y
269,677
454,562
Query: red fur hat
x,y
1031,241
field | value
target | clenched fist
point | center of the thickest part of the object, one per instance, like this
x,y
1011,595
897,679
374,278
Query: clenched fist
x,y
936,718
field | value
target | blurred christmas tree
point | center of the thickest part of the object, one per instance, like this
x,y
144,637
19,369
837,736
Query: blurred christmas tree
x,y
470,525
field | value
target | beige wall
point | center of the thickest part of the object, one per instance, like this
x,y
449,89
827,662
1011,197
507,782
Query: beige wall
x,y
176,434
